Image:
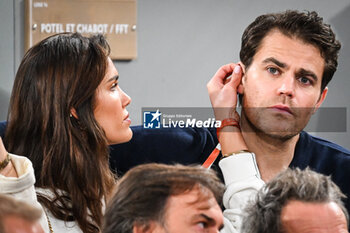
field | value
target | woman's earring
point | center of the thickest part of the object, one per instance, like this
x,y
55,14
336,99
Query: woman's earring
x,y
70,115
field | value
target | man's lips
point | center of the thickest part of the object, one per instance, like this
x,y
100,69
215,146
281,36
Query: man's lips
x,y
282,108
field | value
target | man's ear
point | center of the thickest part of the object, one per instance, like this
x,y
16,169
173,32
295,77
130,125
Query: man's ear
x,y
240,88
321,99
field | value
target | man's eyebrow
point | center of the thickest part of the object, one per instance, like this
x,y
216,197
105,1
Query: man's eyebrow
x,y
274,60
114,78
303,73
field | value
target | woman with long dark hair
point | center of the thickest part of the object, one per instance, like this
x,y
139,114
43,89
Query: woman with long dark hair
x,y
66,108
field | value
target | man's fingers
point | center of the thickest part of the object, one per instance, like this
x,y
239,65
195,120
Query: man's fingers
x,y
223,72
221,81
218,80
235,80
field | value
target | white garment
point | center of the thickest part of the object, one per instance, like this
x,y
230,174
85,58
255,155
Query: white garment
x,y
242,181
22,188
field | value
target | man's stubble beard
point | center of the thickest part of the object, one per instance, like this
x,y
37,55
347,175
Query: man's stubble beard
x,y
263,127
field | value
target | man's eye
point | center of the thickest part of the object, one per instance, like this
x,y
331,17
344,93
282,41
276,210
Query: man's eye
x,y
202,225
304,80
273,71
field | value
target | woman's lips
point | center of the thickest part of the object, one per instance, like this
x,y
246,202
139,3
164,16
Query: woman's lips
x,y
127,119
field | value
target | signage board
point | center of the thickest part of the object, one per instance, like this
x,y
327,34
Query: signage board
x,y
116,19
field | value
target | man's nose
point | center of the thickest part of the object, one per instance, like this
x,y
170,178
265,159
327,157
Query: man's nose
x,y
287,86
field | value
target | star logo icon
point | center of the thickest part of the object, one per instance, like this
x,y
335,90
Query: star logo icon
x,y
151,119
156,115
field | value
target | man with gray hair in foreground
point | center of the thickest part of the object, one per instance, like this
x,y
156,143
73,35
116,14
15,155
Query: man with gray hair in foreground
x,y
297,201
18,217
163,198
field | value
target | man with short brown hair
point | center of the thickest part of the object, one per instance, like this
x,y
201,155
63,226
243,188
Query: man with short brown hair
x,y
165,198
287,61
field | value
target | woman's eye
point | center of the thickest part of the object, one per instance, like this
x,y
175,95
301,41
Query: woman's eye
x,y
273,71
114,85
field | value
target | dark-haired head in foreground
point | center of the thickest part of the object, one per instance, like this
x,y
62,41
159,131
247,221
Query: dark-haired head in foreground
x,y
165,198
297,201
